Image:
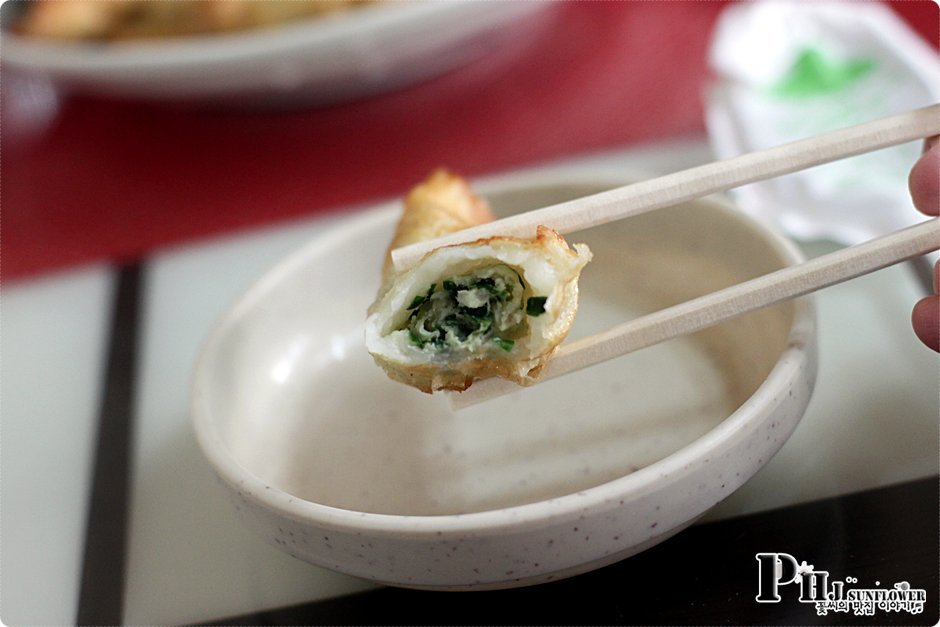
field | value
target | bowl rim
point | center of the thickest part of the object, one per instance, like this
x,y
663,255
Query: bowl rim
x,y
540,513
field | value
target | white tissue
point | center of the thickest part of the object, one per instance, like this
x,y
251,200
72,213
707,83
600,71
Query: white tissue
x,y
788,70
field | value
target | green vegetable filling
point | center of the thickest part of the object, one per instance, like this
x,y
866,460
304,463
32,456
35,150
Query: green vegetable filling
x,y
535,306
473,312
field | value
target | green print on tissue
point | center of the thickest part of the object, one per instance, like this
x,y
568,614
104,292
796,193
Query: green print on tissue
x,y
815,74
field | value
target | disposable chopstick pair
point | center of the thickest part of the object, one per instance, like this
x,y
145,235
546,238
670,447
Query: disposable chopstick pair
x,y
709,310
672,189
690,184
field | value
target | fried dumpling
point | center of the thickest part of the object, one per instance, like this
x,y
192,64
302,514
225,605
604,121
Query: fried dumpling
x,y
498,306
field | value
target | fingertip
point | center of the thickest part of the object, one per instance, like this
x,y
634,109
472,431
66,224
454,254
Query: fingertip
x,y
925,319
924,179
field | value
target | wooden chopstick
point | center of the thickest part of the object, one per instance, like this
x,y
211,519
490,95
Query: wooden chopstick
x,y
716,307
686,185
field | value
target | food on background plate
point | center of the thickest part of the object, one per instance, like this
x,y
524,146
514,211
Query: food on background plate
x,y
115,20
495,307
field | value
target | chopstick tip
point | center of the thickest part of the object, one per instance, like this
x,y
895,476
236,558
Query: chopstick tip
x,y
480,392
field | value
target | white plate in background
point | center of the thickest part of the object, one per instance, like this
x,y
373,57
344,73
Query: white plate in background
x,y
315,61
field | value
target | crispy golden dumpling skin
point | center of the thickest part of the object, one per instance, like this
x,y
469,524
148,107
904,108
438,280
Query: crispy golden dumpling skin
x,y
498,306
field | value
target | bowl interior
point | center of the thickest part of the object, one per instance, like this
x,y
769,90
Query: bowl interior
x,y
298,402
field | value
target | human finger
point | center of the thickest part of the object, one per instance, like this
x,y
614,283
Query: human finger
x,y
924,179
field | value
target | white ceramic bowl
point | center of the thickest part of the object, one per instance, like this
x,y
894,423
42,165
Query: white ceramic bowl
x,y
337,465
315,61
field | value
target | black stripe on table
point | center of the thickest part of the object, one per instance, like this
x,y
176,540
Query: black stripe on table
x,y
101,593
707,575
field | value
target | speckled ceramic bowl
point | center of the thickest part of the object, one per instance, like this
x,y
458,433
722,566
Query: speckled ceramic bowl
x,y
337,465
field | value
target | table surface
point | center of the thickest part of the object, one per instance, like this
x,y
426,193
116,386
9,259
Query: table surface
x,y
187,558
110,514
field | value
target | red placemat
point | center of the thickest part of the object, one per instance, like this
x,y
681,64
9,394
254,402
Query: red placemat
x,y
114,180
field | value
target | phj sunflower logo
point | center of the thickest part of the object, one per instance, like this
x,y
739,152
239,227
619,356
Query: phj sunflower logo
x,y
779,570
